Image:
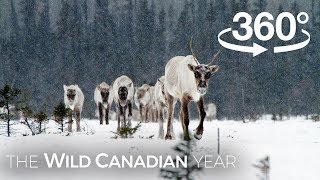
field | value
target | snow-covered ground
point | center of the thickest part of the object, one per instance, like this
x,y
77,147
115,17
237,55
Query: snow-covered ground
x,y
292,145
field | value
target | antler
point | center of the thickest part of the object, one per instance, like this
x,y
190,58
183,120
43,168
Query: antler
x,y
190,44
214,58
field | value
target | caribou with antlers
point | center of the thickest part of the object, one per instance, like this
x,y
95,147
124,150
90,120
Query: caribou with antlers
x,y
187,80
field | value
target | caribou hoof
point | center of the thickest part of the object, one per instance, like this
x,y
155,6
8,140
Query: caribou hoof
x,y
168,137
187,138
197,136
129,125
160,136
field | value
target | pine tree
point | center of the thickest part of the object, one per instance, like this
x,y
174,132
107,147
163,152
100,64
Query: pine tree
x,y
29,43
160,42
126,132
263,166
145,33
27,113
184,149
60,112
11,49
104,38
8,97
40,118
126,51
259,6
183,32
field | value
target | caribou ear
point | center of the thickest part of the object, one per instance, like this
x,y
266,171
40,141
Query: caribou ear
x,y
214,68
99,87
65,88
191,67
76,85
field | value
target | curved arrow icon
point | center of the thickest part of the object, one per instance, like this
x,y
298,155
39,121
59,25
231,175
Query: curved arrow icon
x,y
293,47
255,49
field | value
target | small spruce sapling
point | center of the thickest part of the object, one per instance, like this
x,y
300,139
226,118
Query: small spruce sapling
x,y
274,117
27,113
263,166
315,117
126,132
40,118
8,96
60,112
183,148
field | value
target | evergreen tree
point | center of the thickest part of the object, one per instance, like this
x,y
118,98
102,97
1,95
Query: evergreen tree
x,y
60,112
12,49
40,118
184,149
27,113
145,33
8,97
126,41
259,6
104,37
179,45
160,43
126,132
29,42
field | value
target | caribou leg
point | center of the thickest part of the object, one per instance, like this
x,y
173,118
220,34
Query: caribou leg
x,y
202,114
170,114
100,113
157,115
107,115
130,113
69,121
141,115
185,117
147,114
124,113
78,115
118,115
160,120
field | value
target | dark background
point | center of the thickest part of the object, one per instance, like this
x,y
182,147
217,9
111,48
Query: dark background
x,y
45,44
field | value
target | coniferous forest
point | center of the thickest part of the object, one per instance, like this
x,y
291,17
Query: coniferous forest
x,y
45,44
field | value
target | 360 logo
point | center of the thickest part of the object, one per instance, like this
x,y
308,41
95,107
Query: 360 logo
x,y
256,49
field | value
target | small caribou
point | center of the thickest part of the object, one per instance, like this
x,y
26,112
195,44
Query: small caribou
x,y
103,98
211,110
187,80
143,98
160,100
152,106
73,99
123,96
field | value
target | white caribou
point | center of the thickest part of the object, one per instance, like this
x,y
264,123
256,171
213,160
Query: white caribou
x,y
73,99
123,91
187,80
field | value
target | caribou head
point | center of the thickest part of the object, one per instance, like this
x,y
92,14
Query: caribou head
x,y
123,94
202,72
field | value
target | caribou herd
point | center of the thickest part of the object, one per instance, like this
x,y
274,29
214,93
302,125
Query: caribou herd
x,y
185,79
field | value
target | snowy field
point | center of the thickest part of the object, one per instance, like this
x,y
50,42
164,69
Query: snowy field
x,y
292,145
